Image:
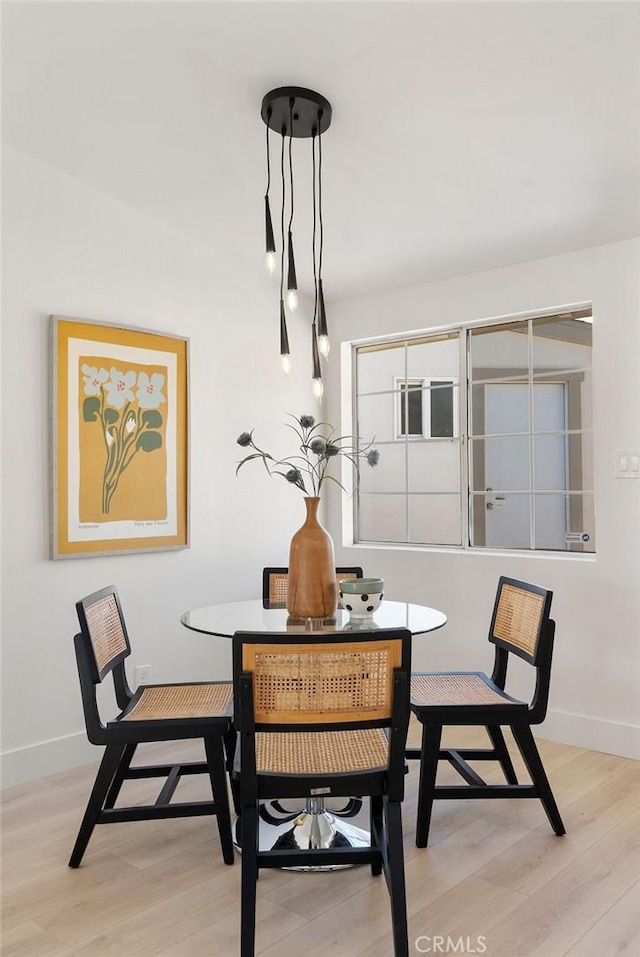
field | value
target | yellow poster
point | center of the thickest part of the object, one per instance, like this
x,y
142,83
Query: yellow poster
x,y
120,439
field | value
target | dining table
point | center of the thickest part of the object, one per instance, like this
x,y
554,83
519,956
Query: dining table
x,y
317,824
259,615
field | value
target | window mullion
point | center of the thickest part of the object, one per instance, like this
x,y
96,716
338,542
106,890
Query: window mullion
x,y
406,442
532,498
464,412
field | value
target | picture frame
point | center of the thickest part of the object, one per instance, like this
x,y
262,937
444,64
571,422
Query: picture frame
x,y
119,439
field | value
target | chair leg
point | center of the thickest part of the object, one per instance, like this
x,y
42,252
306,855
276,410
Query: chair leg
x,y
249,879
230,742
120,775
529,750
431,737
376,826
396,878
502,753
217,774
109,765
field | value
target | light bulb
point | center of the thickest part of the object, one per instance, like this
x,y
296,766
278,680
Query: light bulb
x,y
292,300
271,263
318,389
324,346
285,359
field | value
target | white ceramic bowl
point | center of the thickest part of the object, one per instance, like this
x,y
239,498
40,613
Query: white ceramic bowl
x,y
361,597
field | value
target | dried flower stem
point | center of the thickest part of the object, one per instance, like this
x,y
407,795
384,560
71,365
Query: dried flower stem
x,y
316,452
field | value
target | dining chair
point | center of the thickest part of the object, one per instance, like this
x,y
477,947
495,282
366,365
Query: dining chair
x,y
274,584
163,712
521,626
320,715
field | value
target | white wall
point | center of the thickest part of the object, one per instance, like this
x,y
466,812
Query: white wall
x,y
595,694
71,251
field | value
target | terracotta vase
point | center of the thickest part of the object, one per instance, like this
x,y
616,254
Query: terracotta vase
x,y
312,591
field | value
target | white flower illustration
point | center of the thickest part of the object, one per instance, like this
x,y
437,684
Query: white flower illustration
x,y
149,390
119,387
93,379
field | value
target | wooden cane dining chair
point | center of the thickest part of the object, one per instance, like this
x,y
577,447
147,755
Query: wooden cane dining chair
x,y
167,712
520,625
275,580
320,715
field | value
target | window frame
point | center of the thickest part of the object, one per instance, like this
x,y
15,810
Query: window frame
x,y
400,385
461,390
425,384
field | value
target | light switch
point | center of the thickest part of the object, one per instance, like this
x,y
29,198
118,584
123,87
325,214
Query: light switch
x,y
627,463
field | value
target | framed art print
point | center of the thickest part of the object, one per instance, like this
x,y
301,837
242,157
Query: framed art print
x,y
119,439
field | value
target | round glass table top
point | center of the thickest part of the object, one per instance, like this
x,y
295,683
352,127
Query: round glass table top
x,y
224,620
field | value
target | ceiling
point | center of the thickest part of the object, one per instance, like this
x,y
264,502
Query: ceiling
x,y
465,135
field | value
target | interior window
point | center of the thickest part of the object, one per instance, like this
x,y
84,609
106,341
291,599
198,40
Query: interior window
x,y
506,462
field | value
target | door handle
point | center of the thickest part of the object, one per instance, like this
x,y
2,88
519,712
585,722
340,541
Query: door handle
x,y
498,500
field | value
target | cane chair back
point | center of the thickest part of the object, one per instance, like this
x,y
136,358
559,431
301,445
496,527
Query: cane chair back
x,y
102,647
102,622
276,580
519,617
316,683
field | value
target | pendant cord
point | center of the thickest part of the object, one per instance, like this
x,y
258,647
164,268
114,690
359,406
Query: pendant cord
x,y
320,193
291,102
315,357
268,154
282,211
313,244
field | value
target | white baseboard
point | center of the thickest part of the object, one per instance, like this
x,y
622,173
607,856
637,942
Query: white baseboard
x,y
596,734
47,757
72,751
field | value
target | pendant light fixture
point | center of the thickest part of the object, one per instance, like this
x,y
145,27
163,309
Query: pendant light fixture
x,y
269,237
294,112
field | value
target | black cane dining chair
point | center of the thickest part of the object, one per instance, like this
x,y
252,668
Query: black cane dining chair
x,y
168,712
323,714
275,580
520,626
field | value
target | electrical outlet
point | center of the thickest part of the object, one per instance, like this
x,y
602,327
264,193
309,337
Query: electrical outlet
x,y
142,675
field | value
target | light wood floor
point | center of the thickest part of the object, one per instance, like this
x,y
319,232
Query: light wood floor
x,y
495,879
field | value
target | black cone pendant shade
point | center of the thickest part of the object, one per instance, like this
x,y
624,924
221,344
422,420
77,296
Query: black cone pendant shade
x,y
292,282
285,353
323,335
318,386
270,243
